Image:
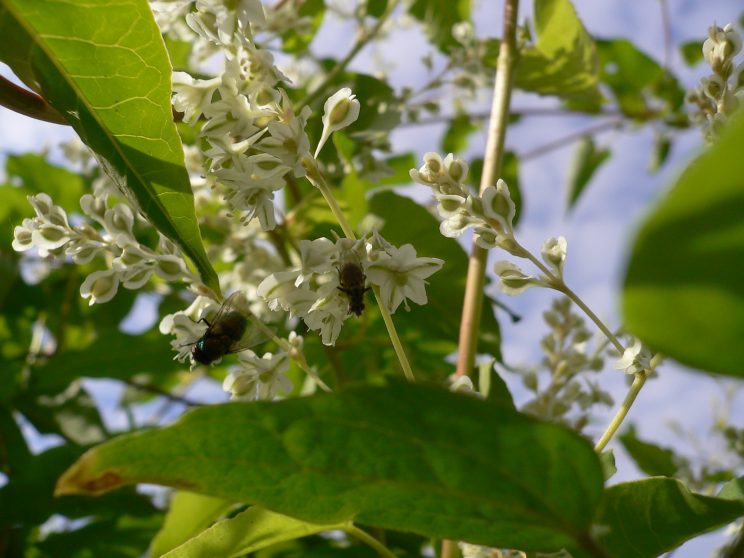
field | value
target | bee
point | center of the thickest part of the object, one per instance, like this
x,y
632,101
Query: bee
x,y
352,281
228,332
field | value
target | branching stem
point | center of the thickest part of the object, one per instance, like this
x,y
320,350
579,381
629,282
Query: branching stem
x,y
370,541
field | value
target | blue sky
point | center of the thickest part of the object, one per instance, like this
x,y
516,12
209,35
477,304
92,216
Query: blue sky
x,y
600,229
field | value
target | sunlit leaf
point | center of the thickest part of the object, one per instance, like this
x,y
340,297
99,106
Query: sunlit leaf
x,y
119,105
563,61
438,17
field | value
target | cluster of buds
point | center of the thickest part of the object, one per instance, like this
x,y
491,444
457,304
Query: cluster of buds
x,y
317,290
491,215
253,137
129,263
719,95
568,395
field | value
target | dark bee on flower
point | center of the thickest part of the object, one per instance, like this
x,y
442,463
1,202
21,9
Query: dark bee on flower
x,y
228,332
352,282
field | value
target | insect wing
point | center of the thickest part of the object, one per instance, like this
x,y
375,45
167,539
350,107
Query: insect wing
x,y
234,302
253,336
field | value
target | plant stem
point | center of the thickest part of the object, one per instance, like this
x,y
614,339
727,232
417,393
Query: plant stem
x,y
638,380
364,36
369,540
317,179
572,137
493,157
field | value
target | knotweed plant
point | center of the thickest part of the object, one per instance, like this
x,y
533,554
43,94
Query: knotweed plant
x,y
248,194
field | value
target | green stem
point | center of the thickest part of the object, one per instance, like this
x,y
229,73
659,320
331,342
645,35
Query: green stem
x,y
316,178
492,161
370,541
364,36
638,380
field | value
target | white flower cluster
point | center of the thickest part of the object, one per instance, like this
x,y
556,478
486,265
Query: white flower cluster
x,y
313,292
130,263
720,94
491,215
253,377
253,137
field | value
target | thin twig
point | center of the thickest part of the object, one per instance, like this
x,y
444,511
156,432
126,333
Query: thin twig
x,y
150,388
666,27
570,138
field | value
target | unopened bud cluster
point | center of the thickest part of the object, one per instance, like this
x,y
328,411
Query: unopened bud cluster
x,y
720,94
566,395
491,216
129,263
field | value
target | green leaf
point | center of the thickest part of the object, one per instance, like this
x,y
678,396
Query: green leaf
x,y
650,458
683,293
438,17
607,459
563,61
119,105
587,160
36,174
188,515
407,221
646,518
660,152
455,139
634,78
733,490
249,531
297,41
388,457
692,52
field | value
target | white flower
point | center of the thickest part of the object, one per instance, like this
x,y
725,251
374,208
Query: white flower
x,y
23,236
258,378
720,48
340,110
100,286
187,326
192,96
554,253
401,275
636,358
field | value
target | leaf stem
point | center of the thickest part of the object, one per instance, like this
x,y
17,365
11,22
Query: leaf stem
x,y
369,540
317,179
638,380
363,37
493,157
30,104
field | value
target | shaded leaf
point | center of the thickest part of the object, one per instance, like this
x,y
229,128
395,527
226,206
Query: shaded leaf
x,y
607,459
296,41
388,457
649,517
249,531
683,293
407,221
691,52
660,151
650,458
120,106
35,174
456,136
587,160
563,61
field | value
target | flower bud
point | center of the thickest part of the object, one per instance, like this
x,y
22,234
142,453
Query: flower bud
x,y
340,110
554,253
513,279
23,237
498,205
100,286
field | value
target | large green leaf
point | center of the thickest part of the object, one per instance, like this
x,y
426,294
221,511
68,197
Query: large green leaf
x,y
683,292
563,61
646,518
407,457
249,531
103,65
406,221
